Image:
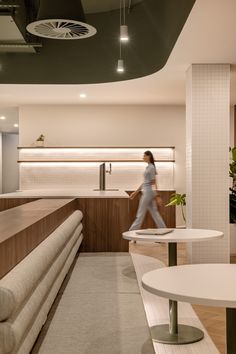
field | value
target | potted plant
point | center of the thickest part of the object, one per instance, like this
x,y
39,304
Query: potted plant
x,y
40,140
178,199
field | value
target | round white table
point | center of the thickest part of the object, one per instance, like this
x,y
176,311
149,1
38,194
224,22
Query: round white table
x,y
173,333
204,284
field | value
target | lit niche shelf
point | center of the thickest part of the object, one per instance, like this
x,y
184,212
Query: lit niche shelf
x,y
65,167
54,154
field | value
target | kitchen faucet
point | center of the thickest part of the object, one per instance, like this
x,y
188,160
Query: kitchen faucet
x,y
102,176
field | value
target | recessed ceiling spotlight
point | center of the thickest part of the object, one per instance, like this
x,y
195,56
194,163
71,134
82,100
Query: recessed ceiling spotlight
x,y
82,95
2,117
16,125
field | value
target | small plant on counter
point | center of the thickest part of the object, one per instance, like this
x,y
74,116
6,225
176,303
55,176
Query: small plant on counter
x,y
40,140
41,137
178,199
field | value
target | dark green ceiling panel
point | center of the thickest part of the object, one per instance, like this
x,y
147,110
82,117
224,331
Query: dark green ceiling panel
x,y
154,26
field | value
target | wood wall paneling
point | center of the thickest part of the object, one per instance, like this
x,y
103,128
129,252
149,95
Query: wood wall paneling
x,y
103,223
24,227
168,213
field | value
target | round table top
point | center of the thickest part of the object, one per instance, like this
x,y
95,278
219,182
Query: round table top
x,y
204,284
177,235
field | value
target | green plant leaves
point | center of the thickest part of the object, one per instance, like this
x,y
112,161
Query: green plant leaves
x,y
232,203
234,153
177,199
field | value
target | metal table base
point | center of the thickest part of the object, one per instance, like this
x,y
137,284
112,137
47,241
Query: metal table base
x,y
185,334
173,333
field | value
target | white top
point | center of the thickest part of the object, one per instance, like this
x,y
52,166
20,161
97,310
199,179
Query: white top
x,y
178,235
149,176
204,284
65,193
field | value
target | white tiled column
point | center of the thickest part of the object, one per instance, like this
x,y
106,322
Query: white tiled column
x,y
207,157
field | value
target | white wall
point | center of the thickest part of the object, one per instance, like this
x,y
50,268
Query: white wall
x,y
108,125
10,168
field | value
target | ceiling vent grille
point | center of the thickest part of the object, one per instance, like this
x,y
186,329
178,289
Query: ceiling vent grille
x,y
61,29
60,19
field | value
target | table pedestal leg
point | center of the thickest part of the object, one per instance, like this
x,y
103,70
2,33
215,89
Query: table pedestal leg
x,y
173,314
230,330
172,254
174,333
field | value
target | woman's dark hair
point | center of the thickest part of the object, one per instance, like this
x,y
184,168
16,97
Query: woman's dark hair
x,y
149,153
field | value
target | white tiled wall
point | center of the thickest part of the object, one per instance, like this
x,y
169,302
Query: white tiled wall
x,y
207,157
124,176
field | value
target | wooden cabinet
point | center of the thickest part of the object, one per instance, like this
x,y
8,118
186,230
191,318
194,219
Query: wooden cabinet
x,y
167,213
104,219
103,223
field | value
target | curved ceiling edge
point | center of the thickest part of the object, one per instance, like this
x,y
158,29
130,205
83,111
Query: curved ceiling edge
x,y
154,26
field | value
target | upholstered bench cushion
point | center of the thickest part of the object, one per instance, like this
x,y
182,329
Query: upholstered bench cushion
x,y
14,330
33,330
19,283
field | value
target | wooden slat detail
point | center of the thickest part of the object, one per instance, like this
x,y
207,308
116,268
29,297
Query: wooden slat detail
x,y
167,213
8,203
24,227
104,221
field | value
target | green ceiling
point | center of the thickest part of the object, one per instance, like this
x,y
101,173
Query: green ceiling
x,y
154,26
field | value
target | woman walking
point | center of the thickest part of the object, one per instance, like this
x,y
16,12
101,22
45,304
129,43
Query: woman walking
x,y
147,201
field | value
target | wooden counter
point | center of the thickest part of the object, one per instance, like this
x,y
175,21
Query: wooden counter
x,y
8,203
22,228
106,214
168,213
103,223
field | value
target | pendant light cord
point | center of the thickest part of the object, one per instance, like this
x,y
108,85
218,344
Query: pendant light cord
x,y
120,23
123,12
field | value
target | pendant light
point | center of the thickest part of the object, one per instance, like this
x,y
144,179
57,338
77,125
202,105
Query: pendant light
x,y
61,19
124,34
120,63
120,66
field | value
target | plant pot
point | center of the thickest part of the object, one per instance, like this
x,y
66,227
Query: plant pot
x,y
181,227
39,143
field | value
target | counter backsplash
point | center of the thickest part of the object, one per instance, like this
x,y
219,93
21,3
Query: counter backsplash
x,y
86,175
73,167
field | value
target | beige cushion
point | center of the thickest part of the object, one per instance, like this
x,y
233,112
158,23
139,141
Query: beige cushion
x,y
35,328
13,331
19,283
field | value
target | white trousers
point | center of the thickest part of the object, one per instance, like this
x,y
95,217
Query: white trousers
x,y
147,203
